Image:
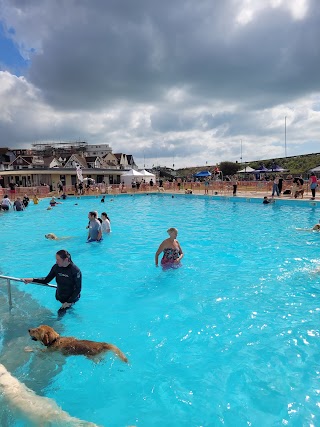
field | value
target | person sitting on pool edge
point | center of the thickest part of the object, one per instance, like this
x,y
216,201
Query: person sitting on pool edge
x,y
68,277
172,251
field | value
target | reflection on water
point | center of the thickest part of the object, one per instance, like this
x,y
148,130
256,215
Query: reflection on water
x,y
14,338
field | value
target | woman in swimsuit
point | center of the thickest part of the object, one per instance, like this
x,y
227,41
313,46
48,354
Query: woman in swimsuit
x,y
172,252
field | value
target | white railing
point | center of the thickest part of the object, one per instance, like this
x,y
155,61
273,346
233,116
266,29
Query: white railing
x,y
15,279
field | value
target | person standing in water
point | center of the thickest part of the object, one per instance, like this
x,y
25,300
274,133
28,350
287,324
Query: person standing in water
x,y
172,251
68,277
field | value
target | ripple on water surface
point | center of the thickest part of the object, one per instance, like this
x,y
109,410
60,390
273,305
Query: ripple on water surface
x,y
231,338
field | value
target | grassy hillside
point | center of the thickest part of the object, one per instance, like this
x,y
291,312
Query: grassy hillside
x,y
295,164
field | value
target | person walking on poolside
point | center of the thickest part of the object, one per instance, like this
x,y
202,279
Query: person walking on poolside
x,y
280,184
235,186
313,185
60,187
206,186
275,188
95,232
68,277
172,251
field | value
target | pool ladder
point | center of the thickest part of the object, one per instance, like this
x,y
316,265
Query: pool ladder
x,y
15,279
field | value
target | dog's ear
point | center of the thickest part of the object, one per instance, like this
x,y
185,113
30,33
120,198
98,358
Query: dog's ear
x,y
45,339
50,336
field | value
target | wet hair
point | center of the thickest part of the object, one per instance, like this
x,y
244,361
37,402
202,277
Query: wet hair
x,y
170,230
93,213
63,254
105,214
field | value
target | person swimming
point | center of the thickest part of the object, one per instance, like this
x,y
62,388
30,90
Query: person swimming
x,y
316,227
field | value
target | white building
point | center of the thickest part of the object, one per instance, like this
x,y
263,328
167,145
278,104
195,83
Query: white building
x,y
100,150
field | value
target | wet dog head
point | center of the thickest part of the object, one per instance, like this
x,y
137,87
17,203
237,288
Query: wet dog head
x,y
51,236
44,334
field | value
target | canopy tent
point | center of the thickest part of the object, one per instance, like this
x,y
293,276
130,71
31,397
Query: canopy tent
x,y
247,169
202,174
315,170
276,168
263,169
130,175
147,176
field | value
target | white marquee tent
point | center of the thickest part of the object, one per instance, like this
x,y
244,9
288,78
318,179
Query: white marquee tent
x,y
147,176
130,175
246,170
316,171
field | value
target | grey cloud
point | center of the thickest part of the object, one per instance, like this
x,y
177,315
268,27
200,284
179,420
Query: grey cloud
x,y
99,63
107,51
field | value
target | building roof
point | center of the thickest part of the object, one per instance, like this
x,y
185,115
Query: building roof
x,y
92,158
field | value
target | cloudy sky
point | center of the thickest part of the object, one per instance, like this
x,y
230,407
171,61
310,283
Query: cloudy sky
x,y
183,82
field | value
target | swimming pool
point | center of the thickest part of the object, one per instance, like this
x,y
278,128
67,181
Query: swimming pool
x,y
231,338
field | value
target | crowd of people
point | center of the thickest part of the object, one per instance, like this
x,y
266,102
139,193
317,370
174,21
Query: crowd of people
x,y
296,187
68,276
18,205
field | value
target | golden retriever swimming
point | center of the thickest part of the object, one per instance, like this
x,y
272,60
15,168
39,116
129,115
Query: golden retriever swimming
x,y
72,346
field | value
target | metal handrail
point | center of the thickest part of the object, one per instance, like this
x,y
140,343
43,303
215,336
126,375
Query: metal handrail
x,y
15,279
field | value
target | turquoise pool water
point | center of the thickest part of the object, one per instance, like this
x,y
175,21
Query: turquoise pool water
x,y
231,338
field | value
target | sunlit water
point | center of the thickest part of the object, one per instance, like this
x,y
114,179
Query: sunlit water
x,y
231,338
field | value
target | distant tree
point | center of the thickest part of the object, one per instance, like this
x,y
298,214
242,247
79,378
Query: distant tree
x,y
229,168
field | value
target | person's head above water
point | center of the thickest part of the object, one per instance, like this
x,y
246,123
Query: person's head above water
x,y
173,232
63,258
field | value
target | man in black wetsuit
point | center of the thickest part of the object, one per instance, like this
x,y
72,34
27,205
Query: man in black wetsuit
x,y
68,277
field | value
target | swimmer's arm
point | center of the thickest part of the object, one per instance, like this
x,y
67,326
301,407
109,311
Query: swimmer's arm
x,y
43,280
160,249
181,253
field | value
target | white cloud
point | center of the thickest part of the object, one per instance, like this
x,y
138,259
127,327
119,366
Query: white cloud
x,y
165,80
